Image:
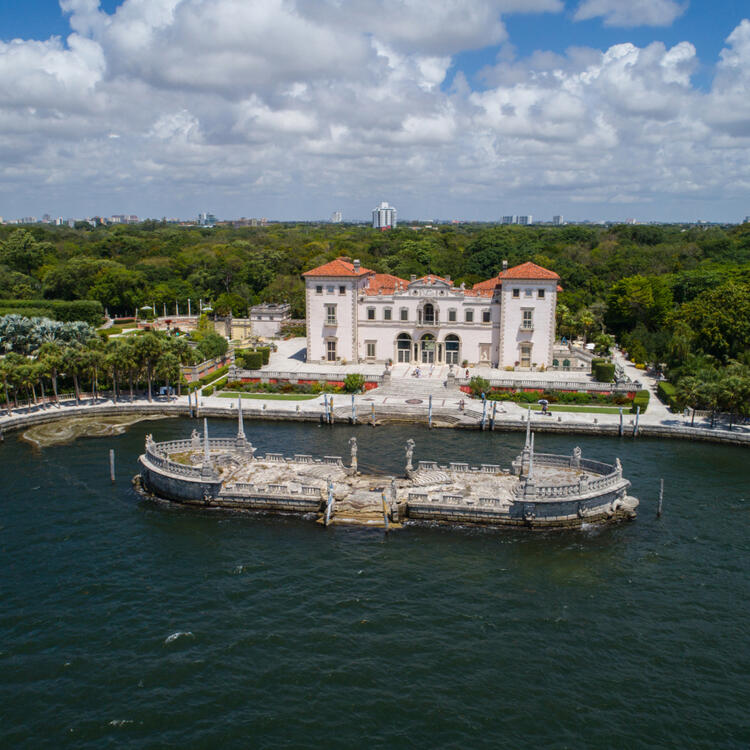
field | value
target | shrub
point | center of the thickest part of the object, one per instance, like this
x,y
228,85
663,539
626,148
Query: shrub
x,y
265,352
604,372
354,382
252,360
213,375
207,391
212,345
641,399
667,392
478,386
88,310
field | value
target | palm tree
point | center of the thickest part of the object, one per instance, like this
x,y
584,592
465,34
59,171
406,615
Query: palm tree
x,y
149,348
186,356
689,392
5,372
168,367
72,366
51,354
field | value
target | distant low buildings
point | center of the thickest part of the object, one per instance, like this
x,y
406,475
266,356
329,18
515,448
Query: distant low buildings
x,y
523,220
384,216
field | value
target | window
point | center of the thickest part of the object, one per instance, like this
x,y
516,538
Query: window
x,y
331,315
451,316
387,313
528,320
429,313
469,316
528,292
331,351
485,316
516,293
319,289
342,290
329,289
370,313
370,348
404,313
540,293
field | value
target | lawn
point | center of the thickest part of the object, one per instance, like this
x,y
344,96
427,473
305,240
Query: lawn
x,y
273,396
581,409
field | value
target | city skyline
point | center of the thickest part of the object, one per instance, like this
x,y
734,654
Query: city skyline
x,y
588,109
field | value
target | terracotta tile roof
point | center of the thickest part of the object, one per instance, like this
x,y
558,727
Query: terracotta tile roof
x,y
431,278
487,286
528,271
338,267
386,283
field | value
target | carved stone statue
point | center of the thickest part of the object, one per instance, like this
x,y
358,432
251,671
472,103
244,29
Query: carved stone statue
x,y
576,461
618,467
195,440
409,455
149,440
353,452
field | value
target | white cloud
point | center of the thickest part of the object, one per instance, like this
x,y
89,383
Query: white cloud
x,y
280,107
630,13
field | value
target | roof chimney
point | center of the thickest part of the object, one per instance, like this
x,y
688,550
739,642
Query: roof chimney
x,y
413,277
448,278
505,265
356,266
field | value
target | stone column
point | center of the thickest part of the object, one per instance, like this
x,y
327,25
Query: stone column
x,y
409,456
353,452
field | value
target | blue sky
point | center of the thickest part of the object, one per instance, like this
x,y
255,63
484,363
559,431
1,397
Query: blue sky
x,y
262,122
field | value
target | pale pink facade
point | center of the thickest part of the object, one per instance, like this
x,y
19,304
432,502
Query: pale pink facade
x,y
355,315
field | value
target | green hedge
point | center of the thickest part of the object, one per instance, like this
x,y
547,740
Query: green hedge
x,y
251,360
604,372
88,310
265,352
641,399
215,374
207,391
667,392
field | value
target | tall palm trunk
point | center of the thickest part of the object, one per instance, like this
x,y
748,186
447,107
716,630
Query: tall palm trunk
x,y
130,381
7,397
54,383
692,419
114,385
149,376
41,386
77,389
33,392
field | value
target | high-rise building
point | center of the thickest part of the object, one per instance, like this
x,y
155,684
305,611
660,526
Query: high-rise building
x,y
206,219
384,216
525,220
337,217
558,221
509,219
747,220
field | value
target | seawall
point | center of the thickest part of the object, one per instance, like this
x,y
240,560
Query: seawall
x,y
383,415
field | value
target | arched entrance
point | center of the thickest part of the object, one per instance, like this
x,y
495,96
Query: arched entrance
x,y
452,349
403,348
427,349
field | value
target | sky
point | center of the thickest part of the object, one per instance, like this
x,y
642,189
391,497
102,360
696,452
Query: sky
x,y
448,109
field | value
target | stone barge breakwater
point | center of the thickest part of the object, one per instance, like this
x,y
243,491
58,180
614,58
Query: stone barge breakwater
x,y
539,491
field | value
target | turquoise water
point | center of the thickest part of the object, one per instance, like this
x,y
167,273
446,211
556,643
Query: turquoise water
x,y
295,636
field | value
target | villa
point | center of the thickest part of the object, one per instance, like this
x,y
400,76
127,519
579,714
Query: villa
x,y
357,315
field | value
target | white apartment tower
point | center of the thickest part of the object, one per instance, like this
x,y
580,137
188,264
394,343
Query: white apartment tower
x,y
384,216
